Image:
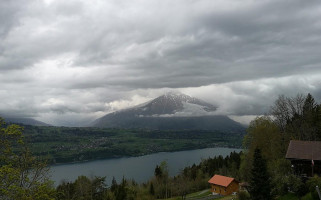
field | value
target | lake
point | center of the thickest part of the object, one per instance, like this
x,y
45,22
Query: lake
x,y
138,168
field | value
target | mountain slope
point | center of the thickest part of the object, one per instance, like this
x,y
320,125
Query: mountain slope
x,y
25,121
168,112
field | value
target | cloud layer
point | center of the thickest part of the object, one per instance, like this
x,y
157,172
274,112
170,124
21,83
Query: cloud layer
x,y
68,62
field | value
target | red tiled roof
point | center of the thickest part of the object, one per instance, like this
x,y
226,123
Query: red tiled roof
x,y
221,180
305,150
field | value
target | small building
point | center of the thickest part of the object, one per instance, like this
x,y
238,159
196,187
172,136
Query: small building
x,y
305,157
244,186
223,185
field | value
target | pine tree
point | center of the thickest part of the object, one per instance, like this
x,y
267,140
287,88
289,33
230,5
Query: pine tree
x,y
158,172
151,189
114,185
260,188
121,192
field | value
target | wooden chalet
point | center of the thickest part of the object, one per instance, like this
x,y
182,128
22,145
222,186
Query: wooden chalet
x,y
305,157
223,185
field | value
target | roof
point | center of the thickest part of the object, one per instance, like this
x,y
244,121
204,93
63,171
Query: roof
x,y
244,184
304,150
221,180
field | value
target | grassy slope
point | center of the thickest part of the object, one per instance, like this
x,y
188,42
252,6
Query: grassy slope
x,y
201,195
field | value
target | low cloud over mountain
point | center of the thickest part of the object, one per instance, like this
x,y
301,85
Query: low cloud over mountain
x,y
170,111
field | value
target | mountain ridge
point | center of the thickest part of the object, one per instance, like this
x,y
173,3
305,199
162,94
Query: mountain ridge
x,y
170,111
25,121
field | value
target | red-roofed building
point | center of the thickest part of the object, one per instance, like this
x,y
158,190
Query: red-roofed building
x,y
223,185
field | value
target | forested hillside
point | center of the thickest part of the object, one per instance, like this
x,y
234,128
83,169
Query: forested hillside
x,y
64,144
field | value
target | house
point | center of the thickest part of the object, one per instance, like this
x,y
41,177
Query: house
x,y
305,157
223,185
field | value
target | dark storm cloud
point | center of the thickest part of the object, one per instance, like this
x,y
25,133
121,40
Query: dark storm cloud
x,y
62,58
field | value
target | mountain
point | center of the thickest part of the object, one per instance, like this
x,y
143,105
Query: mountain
x,y
25,121
168,112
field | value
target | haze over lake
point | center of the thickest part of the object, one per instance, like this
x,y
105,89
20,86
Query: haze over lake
x,y
138,168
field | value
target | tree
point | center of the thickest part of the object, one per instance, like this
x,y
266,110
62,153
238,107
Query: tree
x,y
99,188
298,117
114,185
83,188
65,190
22,176
260,188
264,134
158,172
120,192
285,108
161,174
310,118
151,189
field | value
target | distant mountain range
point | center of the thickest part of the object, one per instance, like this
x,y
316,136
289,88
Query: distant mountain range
x,y
168,112
25,121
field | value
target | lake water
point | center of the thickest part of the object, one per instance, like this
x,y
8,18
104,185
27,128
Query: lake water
x,y
138,168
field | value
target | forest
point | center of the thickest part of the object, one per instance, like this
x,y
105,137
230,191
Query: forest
x,y
261,164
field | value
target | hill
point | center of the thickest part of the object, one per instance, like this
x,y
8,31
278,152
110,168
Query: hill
x,y
25,121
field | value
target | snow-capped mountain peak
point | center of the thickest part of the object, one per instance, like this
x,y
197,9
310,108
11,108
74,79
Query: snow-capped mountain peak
x,y
174,104
170,111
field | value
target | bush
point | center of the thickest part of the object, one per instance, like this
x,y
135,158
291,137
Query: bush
x,y
316,180
297,186
243,195
280,185
290,183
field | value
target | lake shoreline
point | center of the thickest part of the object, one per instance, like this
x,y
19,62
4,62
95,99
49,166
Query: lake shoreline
x,y
139,168
133,156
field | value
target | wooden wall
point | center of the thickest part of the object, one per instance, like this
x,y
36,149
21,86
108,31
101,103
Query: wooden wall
x,y
233,187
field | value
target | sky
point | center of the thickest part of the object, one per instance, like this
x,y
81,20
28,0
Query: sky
x,y
69,62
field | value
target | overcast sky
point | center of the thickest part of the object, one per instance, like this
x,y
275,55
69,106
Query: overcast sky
x,y
69,62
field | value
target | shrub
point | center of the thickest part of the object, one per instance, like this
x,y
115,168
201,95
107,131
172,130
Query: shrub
x,y
243,195
316,180
297,186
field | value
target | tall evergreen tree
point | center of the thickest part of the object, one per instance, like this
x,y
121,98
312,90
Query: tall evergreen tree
x,y
151,189
309,105
114,185
260,187
158,171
